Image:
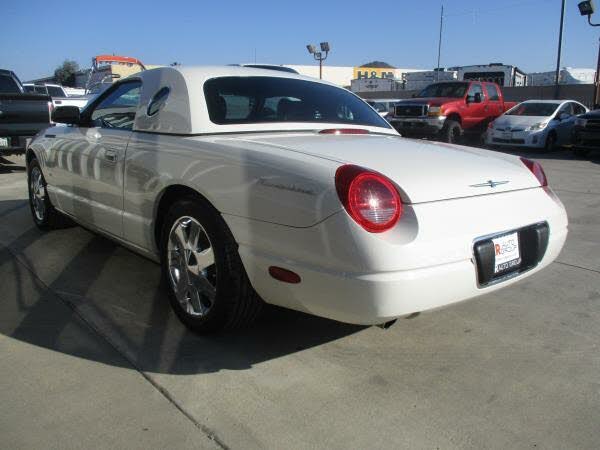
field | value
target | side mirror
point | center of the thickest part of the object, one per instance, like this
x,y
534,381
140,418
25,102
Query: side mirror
x,y
66,114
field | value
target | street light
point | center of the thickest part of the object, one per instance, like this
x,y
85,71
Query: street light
x,y
319,56
587,8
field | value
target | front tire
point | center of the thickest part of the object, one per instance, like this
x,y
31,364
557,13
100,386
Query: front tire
x,y
550,142
208,287
452,132
44,215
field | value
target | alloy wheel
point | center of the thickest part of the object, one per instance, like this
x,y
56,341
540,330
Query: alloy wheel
x,y
37,193
191,265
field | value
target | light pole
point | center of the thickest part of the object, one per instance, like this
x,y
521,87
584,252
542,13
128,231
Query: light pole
x,y
437,73
586,8
325,48
560,34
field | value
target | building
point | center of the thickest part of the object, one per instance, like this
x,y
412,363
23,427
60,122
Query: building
x,y
567,75
343,75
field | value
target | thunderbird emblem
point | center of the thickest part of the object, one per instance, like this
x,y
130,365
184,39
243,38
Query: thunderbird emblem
x,y
489,183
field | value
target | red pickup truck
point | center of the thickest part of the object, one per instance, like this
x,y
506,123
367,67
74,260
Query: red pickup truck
x,y
447,110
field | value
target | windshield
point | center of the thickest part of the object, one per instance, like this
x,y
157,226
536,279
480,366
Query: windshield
x,y
533,109
243,100
454,90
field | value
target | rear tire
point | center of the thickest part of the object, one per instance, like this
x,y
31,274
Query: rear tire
x,y
208,287
452,132
44,215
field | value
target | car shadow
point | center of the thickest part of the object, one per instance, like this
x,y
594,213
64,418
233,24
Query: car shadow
x,y
67,280
10,166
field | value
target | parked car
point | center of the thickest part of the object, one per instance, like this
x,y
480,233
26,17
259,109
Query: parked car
x,y
446,110
21,115
383,106
252,185
536,123
58,94
585,135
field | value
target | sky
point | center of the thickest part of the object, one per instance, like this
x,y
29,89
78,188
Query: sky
x,y
36,36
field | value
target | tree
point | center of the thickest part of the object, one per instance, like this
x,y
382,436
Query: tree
x,y
65,73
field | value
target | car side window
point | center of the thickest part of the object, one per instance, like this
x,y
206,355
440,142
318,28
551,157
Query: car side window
x,y
158,101
492,93
475,89
118,109
578,109
565,109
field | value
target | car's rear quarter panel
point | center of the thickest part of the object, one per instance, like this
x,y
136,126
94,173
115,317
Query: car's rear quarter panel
x,y
260,183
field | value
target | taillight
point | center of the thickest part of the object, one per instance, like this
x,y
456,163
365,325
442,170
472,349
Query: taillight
x,y
344,131
536,169
369,198
50,111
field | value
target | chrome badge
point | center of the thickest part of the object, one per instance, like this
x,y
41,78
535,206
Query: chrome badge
x,y
489,183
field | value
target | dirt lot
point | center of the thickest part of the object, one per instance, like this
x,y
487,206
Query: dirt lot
x,y
92,357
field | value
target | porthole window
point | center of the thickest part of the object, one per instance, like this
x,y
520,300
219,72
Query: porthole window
x,y
158,101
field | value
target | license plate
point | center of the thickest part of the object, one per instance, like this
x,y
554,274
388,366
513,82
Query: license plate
x,y
507,135
506,253
3,142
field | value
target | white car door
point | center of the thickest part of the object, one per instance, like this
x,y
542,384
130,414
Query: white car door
x,y
565,119
87,162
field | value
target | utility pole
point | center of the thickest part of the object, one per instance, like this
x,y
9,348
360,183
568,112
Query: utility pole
x,y
437,73
560,34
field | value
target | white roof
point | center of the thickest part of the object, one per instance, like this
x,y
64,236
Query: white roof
x,y
185,111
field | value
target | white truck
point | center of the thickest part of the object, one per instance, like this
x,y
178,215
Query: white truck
x,y
59,95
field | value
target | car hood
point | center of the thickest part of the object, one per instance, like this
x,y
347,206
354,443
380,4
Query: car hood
x,y
424,171
431,101
519,121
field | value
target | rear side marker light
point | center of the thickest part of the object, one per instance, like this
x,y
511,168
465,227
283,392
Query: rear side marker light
x,y
536,170
281,274
344,131
369,197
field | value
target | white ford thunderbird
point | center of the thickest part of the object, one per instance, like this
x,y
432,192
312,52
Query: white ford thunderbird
x,y
252,186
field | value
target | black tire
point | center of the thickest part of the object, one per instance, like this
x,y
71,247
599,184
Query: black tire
x,y
236,303
44,215
452,132
550,144
581,152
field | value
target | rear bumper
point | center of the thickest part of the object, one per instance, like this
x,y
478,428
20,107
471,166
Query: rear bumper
x,y
425,262
370,299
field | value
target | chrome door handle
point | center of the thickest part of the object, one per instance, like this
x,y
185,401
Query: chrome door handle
x,y
110,155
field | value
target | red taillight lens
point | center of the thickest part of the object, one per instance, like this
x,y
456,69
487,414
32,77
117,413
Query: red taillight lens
x,y
370,198
344,131
536,169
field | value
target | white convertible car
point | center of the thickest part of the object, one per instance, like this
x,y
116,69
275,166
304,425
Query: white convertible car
x,y
254,186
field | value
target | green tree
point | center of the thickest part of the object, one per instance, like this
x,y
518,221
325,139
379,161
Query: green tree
x,y
65,73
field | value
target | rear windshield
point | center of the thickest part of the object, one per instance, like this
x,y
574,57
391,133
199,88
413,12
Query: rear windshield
x,y
453,90
8,85
533,109
243,100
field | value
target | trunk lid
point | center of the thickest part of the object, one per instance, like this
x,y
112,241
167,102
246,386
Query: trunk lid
x,y
424,171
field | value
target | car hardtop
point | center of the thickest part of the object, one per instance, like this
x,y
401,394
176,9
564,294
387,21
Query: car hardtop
x,y
186,112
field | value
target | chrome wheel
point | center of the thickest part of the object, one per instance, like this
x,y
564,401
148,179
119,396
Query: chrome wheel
x,y
37,193
192,270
